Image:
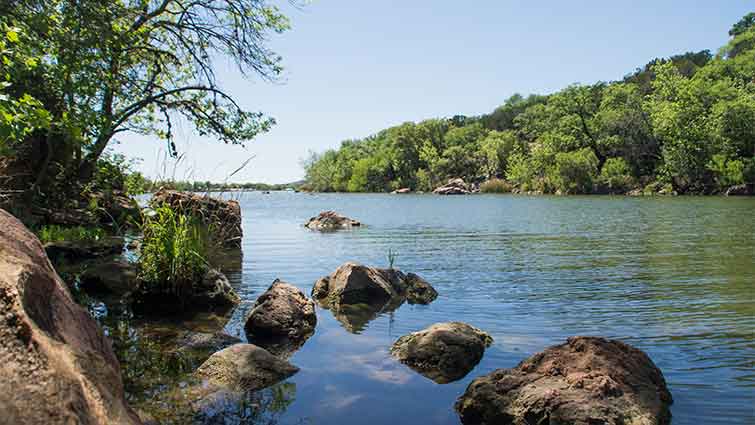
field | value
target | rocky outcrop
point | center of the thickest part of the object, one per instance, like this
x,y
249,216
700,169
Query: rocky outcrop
x,y
212,293
282,318
330,220
402,190
76,251
357,294
57,365
585,381
741,190
453,187
223,217
444,352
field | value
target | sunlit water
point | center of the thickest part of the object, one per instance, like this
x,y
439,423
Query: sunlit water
x,y
673,276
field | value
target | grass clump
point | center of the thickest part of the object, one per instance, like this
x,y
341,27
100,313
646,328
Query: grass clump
x,y
55,233
173,252
496,186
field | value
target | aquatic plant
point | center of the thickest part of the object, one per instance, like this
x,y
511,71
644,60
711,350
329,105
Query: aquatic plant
x,y
392,255
173,252
55,233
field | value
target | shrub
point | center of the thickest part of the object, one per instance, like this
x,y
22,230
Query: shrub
x,y
54,233
728,172
495,186
574,172
616,175
173,252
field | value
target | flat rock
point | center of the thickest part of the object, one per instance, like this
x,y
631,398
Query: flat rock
x,y
453,187
58,366
114,276
243,367
330,220
585,381
213,293
444,352
75,251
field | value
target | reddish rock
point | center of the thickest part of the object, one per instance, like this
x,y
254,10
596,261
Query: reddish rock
x,y
586,381
331,220
57,365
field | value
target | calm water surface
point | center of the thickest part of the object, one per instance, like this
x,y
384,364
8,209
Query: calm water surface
x,y
672,276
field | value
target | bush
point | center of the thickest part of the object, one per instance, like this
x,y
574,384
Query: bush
x,y
616,175
173,252
496,186
54,233
574,172
728,172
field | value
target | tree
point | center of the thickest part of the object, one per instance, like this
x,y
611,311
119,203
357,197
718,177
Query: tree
x,y
107,67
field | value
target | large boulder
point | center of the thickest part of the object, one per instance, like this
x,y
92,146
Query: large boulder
x,y
222,216
282,317
57,365
444,352
585,381
330,220
453,187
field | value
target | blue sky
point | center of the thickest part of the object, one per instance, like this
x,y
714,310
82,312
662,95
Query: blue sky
x,y
355,67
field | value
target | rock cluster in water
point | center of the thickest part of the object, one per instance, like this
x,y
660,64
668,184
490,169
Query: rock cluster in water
x,y
444,352
453,187
330,220
585,381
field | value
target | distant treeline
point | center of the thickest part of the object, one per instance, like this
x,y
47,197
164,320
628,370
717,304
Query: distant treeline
x,y
684,124
137,183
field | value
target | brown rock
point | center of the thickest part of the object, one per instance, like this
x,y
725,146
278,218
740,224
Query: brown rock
x,y
243,367
453,187
586,381
113,276
444,352
222,216
418,290
75,251
282,317
57,365
330,220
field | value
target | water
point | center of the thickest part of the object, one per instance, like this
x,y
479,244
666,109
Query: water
x,y
673,276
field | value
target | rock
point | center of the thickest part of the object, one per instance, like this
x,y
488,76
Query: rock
x,y
418,290
402,190
222,216
243,367
205,341
57,365
741,190
357,294
635,192
119,209
75,251
453,187
281,315
585,381
444,352
331,220
212,293
114,276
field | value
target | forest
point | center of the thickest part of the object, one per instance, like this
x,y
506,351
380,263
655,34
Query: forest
x,y
684,124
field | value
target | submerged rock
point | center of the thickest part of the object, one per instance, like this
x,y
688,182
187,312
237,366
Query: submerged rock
x,y
585,381
444,352
114,276
205,341
223,217
57,365
453,187
330,220
282,318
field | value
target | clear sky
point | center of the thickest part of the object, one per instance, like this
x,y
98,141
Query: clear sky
x,y
356,67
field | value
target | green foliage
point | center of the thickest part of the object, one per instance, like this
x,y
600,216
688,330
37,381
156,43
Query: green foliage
x,y
574,172
391,256
173,252
616,175
666,123
55,233
496,186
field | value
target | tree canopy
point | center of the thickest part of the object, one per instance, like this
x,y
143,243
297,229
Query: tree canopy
x,y
684,124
